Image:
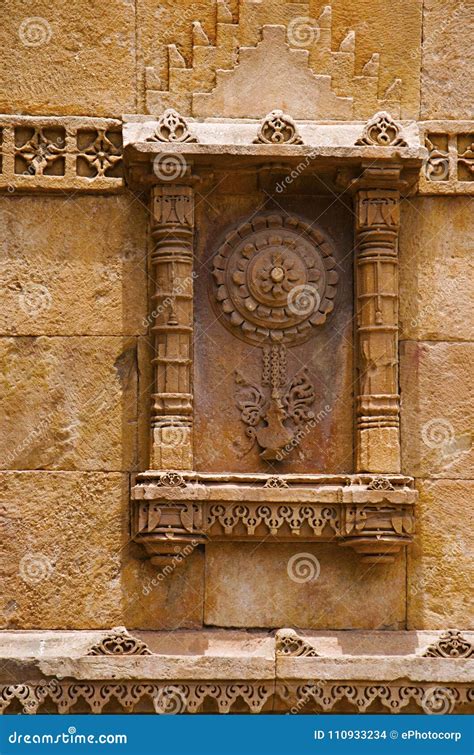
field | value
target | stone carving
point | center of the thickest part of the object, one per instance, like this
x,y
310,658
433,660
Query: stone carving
x,y
172,259
276,482
171,480
40,150
239,696
382,131
287,642
265,416
172,127
60,153
225,79
380,483
119,642
376,523
449,167
451,644
377,224
274,282
278,128
423,697
290,518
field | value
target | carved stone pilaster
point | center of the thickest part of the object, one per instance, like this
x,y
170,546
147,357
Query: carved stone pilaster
x,y
377,408
172,227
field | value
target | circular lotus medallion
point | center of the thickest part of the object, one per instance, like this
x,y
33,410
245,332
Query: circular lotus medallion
x,y
274,280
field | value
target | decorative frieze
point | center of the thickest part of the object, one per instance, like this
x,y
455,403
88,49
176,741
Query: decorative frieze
x,y
278,128
304,508
60,153
287,642
449,166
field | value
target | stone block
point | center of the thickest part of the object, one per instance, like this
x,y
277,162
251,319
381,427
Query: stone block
x,y
72,265
64,533
68,403
314,586
447,89
437,269
68,58
437,400
440,562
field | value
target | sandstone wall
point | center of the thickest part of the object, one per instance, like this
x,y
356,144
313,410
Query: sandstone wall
x,y
75,347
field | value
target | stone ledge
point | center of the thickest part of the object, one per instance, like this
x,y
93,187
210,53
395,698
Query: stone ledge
x,y
222,670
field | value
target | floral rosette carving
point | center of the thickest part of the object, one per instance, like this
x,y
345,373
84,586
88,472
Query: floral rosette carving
x,y
275,280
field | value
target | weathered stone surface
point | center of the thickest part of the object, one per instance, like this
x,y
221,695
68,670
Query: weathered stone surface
x,y
65,533
68,403
437,269
72,265
251,586
437,404
70,565
447,90
440,563
70,58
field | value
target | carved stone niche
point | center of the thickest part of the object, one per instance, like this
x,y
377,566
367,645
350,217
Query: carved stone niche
x,y
275,407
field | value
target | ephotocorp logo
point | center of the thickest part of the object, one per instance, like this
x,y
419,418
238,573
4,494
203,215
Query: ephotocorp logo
x,y
303,567
35,568
169,167
303,31
35,31
304,299
34,299
437,432
438,700
170,700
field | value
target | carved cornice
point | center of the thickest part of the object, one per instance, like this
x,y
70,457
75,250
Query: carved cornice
x,y
375,521
452,645
289,643
119,642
